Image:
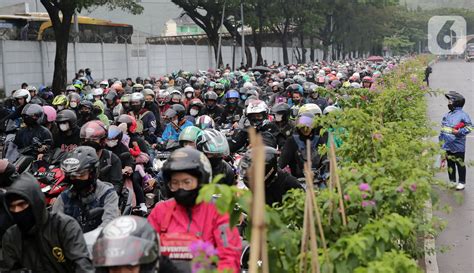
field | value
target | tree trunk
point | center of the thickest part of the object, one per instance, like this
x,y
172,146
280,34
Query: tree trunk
x,y
248,54
311,53
284,46
325,52
303,49
61,33
258,47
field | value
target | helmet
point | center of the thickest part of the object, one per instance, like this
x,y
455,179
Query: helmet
x,y
163,97
188,89
295,88
190,133
330,109
117,87
204,122
256,106
148,86
112,95
137,97
114,132
148,92
50,113
367,79
188,160
125,98
196,102
67,116
81,159
60,100
310,108
456,98
282,108
232,94
129,120
33,112
94,130
74,99
31,88
97,92
180,110
219,86
137,87
78,85
271,164
70,88
117,237
247,85
252,92
87,104
22,94
210,95
104,84
213,142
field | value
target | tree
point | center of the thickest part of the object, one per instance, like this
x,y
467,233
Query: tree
x,y
61,14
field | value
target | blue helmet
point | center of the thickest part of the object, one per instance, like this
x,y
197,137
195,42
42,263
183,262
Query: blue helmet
x,y
232,94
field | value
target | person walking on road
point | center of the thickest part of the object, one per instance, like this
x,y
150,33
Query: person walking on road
x,y
456,124
428,71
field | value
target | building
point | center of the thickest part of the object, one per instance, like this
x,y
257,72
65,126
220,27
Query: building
x,y
181,25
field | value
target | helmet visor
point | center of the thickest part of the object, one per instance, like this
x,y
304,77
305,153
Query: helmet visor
x,y
124,251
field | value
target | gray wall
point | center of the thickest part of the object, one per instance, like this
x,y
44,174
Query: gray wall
x,y
33,62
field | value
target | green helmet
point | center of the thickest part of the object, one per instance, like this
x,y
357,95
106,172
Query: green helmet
x,y
190,133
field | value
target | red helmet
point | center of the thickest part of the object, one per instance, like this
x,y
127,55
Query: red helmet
x,y
93,129
129,120
367,79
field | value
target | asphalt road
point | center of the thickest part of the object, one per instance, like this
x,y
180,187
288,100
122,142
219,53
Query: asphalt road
x,y
458,237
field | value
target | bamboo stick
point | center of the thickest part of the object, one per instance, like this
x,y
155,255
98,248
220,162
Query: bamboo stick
x,y
333,163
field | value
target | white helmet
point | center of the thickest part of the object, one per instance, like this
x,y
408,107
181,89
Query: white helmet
x,y
70,88
311,108
330,109
256,106
188,89
204,122
22,93
104,82
97,92
31,88
355,85
248,85
356,75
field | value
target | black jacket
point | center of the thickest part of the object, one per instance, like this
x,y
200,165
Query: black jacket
x,y
55,243
25,138
224,169
277,188
110,168
215,113
241,139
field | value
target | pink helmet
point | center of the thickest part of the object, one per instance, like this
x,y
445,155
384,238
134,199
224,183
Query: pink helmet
x,y
50,113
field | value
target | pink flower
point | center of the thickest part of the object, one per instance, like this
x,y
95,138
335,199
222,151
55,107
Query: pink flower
x,y
400,189
423,87
364,195
413,187
347,197
377,136
364,187
369,203
201,247
414,78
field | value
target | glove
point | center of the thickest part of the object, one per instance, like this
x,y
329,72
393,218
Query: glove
x,y
459,125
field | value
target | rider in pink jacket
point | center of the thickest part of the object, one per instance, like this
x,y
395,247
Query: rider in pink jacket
x,y
180,221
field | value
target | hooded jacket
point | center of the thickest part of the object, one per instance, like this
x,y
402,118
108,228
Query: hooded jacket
x,y
102,117
54,244
456,119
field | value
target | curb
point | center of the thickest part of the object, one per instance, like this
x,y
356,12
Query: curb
x,y
431,262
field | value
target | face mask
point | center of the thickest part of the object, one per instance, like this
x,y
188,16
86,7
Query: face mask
x,y
136,108
29,121
73,104
93,144
189,95
244,97
64,127
85,114
315,95
214,161
450,107
25,220
148,104
296,101
193,112
60,107
278,117
97,111
112,143
186,198
80,185
211,106
257,123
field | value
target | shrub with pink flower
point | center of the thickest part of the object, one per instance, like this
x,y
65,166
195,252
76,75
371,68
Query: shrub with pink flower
x,y
364,187
205,257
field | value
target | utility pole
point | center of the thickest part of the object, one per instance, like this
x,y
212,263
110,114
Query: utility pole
x,y
220,37
76,40
243,32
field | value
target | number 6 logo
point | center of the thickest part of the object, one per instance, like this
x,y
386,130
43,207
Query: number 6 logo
x,y
447,35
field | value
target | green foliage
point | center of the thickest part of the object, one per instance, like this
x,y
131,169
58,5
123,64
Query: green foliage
x,y
386,171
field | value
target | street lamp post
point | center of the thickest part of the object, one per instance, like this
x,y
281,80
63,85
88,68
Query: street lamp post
x,y
233,53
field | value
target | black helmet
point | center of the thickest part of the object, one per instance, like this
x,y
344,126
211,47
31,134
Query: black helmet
x,y
271,164
188,160
287,82
281,108
213,142
113,246
67,116
457,99
180,110
33,113
82,158
87,104
112,95
210,95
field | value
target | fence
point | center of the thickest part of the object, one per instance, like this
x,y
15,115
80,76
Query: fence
x,y
33,61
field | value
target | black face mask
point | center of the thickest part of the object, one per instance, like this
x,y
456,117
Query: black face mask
x,y
81,185
296,102
85,114
29,121
214,161
97,111
450,106
211,106
25,220
148,104
93,144
136,108
186,198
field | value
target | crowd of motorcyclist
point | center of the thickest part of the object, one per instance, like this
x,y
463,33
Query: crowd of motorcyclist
x,y
119,143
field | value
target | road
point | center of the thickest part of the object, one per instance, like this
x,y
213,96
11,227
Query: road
x,y
459,235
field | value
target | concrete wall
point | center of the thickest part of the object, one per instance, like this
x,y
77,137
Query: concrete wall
x,y
33,62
